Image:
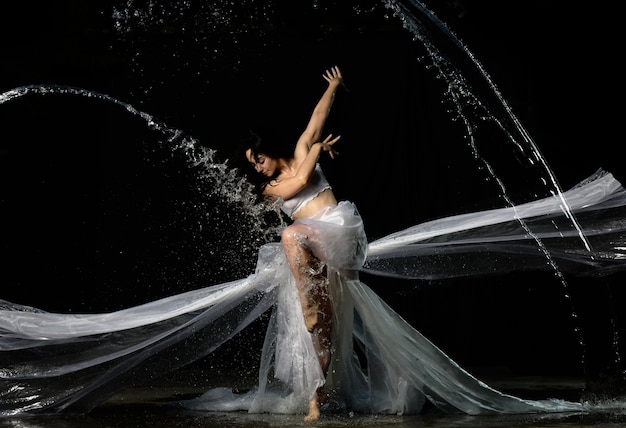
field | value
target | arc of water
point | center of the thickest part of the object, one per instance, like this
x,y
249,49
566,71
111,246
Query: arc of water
x,y
61,89
459,89
195,153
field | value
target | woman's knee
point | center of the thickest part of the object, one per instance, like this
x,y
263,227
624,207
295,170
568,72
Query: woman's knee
x,y
294,235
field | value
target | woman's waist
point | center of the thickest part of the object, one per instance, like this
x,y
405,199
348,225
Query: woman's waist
x,y
343,213
323,199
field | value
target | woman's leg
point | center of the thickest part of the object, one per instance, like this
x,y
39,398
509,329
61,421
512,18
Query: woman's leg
x,y
312,281
310,275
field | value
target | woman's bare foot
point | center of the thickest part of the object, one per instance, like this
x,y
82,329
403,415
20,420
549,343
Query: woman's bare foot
x,y
314,405
314,411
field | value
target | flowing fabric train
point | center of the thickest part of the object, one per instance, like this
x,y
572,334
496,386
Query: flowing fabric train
x,y
54,362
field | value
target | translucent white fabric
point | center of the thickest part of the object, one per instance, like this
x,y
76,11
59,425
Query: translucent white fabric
x,y
52,363
511,238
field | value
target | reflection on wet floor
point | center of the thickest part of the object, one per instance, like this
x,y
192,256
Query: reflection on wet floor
x,y
151,405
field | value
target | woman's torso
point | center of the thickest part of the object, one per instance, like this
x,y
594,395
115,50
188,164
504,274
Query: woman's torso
x,y
324,198
314,196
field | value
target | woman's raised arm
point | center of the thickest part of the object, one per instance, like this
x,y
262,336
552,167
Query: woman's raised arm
x,y
313,131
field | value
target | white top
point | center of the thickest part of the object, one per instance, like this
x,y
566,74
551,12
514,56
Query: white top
x,y
314,187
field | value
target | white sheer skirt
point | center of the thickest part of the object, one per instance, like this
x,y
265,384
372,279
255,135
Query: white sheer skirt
x,y
380,364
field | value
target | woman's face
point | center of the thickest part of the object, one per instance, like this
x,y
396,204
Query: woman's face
x,y
262,164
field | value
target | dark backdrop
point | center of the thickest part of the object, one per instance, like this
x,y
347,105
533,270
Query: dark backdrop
x,y
557,66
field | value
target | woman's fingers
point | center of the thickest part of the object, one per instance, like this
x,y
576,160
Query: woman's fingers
x,y
332,73
327,145
331,140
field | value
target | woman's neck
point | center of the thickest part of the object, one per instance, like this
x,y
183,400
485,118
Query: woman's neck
x,y
287,167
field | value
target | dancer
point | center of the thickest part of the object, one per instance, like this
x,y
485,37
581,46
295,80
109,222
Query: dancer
x,y
308,199
325,247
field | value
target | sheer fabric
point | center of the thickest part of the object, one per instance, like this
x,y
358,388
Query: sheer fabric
x,y
52,363
521,237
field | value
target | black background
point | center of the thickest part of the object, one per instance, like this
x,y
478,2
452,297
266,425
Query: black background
x,y
65,160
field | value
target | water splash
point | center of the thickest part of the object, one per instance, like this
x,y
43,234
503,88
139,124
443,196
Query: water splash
x,y
469,105
226,182
474,110
187,235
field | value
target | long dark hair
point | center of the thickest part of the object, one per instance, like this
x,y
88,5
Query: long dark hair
x,y
260,140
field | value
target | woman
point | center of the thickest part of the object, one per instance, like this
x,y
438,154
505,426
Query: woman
x,y
309,200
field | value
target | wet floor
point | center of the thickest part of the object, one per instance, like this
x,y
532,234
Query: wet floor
x,y
150,406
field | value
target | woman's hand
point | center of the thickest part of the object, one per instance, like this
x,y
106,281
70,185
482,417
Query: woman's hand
x,y
333,76
327,145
